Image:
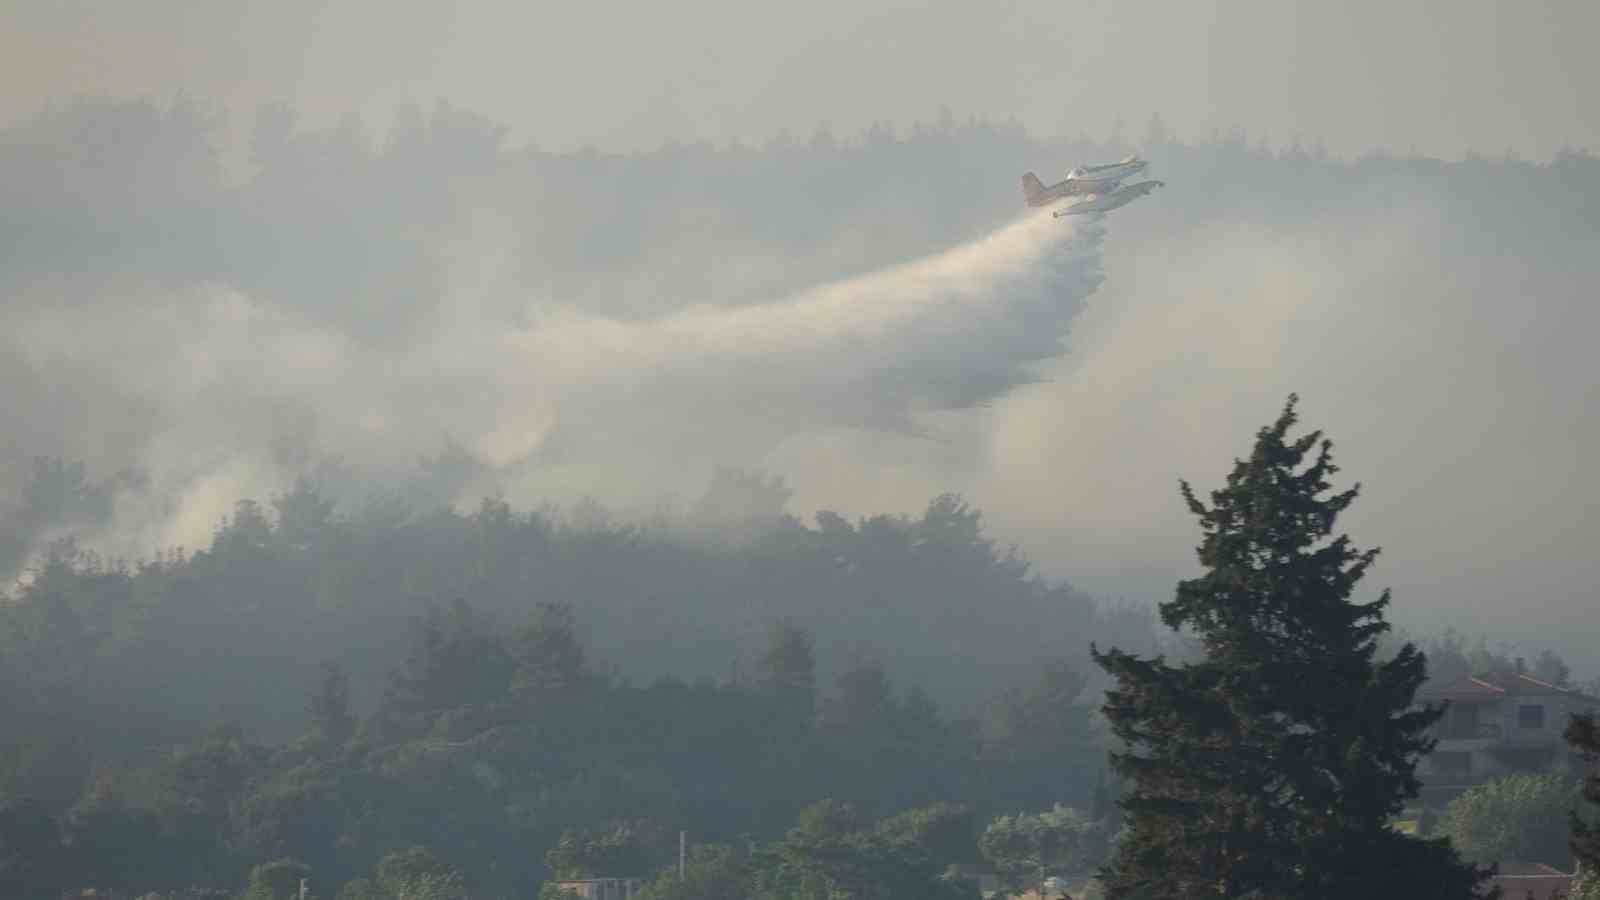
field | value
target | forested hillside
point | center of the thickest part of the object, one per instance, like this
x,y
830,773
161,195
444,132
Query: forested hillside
x,y
258,605
184,718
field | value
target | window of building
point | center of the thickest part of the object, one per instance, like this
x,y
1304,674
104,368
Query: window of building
x,y
1530,717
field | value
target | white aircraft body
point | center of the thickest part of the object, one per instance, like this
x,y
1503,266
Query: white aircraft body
x,y
1082,181
1099,203
1113,172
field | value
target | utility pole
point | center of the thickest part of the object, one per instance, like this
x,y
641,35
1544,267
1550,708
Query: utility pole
x,y
683,845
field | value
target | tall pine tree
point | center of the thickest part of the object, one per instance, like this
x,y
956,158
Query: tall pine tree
x,y
1583,735
1272,767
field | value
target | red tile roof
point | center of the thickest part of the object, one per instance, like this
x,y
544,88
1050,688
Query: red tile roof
x,y
1524,869
1534,880
1490,687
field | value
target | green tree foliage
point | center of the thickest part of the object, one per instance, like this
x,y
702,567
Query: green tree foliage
x,y
329,706
411,874
52,769
491,737
135,662
1520,817
194,792
711,872
1275,763
415,874
882,735
1583,736
1447,657
949,831
164,647
1450,657
455,662
33,860
405,678
1497,664
277,880
56,495
1029,847
118,843
860,712
1585,884
305,520
624,849
360,889
1041,719
786,673
548,662
1551,668
827,857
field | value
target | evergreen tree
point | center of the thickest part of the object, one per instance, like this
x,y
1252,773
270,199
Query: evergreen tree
x,y
1273,765
548,657
787,673
1552,668
329,706
1583,735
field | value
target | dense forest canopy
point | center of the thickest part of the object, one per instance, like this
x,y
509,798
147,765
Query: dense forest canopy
x,y
206,701
334,688
285,586
254,614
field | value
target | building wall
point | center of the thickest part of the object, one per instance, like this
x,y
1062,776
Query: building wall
x,y
603,888
1486,754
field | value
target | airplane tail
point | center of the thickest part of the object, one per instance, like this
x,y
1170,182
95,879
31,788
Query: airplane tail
x,y
1032,189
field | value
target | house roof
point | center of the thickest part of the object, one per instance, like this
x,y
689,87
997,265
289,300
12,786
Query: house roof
x,y
1524,869
1533,880
1494,687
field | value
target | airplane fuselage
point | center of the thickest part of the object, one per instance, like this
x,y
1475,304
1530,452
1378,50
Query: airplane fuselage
x,y
1059,191
1080,182
1109,201
1111,172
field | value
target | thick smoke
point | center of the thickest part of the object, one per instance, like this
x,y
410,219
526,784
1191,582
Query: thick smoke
x,y
554,325
206,390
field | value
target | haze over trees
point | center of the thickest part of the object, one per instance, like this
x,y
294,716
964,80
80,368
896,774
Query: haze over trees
x,y
371,248
487,722
492,724
360,668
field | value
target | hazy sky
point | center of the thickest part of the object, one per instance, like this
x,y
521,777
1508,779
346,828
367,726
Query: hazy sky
x,y
1443,76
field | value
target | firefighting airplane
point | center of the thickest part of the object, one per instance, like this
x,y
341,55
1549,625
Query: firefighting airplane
x,y
1096,203
1099,185
1082,180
